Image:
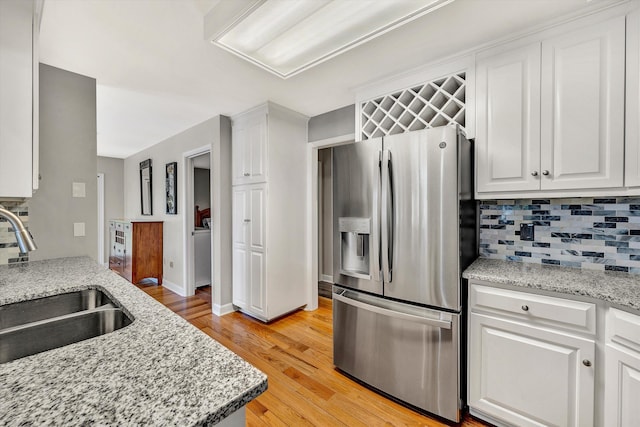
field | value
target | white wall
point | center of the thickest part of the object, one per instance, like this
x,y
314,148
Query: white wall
x,y
214,133
113,170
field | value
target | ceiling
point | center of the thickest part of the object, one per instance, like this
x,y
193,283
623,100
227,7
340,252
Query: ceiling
x,y
157,76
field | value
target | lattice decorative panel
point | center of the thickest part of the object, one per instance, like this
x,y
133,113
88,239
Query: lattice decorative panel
x,y
436,103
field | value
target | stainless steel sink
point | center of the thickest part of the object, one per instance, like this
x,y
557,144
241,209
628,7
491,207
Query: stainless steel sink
x,y
23,312
34,326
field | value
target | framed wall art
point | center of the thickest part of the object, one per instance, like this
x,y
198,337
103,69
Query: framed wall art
x,y
172,188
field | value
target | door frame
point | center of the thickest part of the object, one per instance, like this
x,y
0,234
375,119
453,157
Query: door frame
x,y
188,225
312,208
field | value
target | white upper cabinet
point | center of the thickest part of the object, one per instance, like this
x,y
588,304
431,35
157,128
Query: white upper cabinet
x,y
249,149
508,120
582,139
16,100
632,126
550,114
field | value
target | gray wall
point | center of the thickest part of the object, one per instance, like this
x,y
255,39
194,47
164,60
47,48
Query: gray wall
x,y
201,188
67,155
333,123
113,170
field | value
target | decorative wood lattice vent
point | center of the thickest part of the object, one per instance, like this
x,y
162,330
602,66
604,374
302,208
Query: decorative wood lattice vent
x,y
436,103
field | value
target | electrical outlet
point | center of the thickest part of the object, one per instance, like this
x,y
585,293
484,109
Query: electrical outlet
x,y
527,232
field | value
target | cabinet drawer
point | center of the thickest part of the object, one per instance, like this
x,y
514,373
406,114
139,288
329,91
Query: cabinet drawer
x,y
119,226
623,328
540,309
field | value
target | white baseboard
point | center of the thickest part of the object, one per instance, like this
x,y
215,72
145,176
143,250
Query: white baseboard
x,y
326,278
221,310
174,288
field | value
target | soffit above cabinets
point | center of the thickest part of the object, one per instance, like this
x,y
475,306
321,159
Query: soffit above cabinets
x,y
287,37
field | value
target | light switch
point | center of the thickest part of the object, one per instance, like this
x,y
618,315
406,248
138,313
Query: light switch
x,y
78,229
78,189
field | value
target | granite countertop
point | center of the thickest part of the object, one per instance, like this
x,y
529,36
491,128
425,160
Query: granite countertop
x,y
158,370
619,289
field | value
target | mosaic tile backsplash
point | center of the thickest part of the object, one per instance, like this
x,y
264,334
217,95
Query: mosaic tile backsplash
x,y
9,252
590,233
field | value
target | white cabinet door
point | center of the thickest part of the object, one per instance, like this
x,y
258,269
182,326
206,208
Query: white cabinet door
x,y
258,288
238,157
508,120
257,215
622,387
249,250
530,376
241,228
257,241
16,99
582,100
622,369
632,122
249,150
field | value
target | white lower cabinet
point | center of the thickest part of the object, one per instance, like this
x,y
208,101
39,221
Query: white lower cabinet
x,y
622,370
530,376
527,366
249,273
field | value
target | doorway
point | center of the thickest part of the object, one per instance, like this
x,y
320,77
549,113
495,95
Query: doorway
x,y
198,222
202,220
325,222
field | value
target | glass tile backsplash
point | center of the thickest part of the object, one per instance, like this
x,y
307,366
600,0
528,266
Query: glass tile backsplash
x,y
591,233
9,252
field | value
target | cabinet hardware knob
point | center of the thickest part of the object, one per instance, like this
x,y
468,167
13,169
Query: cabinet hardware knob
x,y
545,173
525,308
247,174
586,362
534,173
247,220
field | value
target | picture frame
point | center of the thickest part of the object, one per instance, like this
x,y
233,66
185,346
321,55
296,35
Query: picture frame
x,y
146,186
171,187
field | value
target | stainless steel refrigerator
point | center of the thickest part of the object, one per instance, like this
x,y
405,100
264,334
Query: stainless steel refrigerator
x,y
404,229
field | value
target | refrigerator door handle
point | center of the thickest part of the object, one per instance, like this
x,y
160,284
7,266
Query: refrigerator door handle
x,y
375,233
442,324
387,216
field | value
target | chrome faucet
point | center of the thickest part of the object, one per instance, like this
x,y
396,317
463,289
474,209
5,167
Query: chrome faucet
x,y
24,238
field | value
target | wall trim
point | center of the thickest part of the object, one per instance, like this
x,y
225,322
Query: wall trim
x,y
335,140
174,287
221,310
326,278
312,208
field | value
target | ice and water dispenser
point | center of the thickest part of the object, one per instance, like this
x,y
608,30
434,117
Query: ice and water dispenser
x,y
355,240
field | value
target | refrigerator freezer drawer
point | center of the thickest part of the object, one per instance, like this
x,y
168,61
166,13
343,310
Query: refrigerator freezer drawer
x,y
408,352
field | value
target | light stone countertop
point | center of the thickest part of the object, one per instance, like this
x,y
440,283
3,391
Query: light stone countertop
x,y
159,370
619,289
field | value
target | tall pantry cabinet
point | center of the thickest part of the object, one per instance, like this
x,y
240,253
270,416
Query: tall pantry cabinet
x,y
269,175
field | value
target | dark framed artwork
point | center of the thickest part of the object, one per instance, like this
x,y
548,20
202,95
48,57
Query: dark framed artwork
x,y
146,195
172,188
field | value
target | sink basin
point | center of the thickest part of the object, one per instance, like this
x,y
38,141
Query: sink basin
x,y
23,312
34,326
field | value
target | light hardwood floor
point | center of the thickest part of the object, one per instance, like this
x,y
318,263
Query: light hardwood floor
x,y
296,354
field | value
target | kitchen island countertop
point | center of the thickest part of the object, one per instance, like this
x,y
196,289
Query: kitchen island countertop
x,y
622,290
159,370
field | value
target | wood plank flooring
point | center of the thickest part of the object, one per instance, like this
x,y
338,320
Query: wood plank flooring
x,y
296,354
